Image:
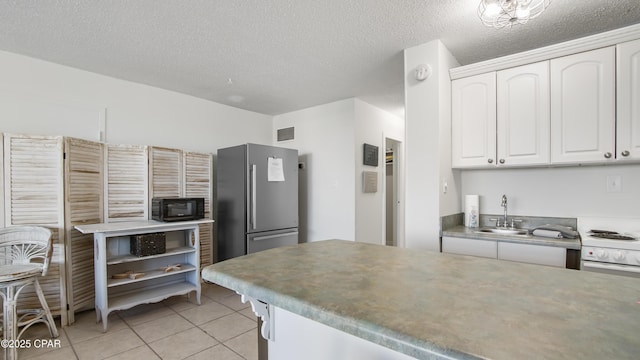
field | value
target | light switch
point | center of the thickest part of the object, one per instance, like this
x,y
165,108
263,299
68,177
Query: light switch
x,y
614,183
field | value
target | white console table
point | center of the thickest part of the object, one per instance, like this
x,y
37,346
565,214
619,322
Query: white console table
x,y
112,256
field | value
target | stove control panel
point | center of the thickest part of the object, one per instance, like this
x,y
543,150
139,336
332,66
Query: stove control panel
x,y
614,256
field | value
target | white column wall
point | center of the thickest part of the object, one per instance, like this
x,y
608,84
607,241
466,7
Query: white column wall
x,y
427,148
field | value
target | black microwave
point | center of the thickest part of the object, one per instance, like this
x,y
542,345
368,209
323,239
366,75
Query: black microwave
x,y
177,209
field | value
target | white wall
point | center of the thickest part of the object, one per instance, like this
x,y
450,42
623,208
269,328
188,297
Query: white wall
x,y
556,192
427,147
372,125
42,98
324,137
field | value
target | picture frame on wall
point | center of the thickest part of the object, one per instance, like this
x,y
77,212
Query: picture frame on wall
x,y
370,155
369,181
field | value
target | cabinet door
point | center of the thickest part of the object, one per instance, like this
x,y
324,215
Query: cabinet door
x,y
474,247
473,121
533,254
523,115
628,116
583,107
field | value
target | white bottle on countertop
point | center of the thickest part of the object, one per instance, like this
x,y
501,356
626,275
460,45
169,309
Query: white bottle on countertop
x,y
471,210
473,217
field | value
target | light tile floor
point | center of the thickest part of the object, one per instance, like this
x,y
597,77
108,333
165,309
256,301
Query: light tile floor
x,y
221,328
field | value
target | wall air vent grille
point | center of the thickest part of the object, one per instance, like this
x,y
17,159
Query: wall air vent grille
x,y
285,134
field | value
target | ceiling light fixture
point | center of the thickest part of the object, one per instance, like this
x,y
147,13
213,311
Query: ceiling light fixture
x,y
501,13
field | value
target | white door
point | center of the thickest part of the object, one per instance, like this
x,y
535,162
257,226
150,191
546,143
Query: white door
x,y
583,107
523,115
628,117
473,121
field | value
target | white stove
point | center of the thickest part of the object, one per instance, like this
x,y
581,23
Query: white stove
x,y
610,245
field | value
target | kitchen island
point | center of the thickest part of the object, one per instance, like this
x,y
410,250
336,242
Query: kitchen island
x,y
423,304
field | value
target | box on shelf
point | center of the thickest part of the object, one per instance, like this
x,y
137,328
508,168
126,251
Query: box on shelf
x,y
148,244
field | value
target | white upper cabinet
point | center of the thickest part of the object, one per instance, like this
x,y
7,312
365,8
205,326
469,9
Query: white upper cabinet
x,y
583,107
473,121
628,116
523,115
501,119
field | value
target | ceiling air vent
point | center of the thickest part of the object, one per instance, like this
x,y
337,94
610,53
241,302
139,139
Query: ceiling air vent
x,y
285,134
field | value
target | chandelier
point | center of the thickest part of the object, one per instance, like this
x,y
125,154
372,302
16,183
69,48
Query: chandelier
x,y
501,13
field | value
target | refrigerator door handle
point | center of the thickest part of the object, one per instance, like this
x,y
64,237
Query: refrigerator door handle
x,y
258,238
253,196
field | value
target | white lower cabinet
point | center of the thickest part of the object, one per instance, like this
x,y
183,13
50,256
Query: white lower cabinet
x,y
298,337
519,252
474,247
533,254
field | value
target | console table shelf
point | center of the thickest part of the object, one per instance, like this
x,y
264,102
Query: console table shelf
x,y
133,258
150,295
111,256
150,274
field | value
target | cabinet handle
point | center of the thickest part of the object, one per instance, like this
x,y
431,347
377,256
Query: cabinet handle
x,y
490,161
501,161
607,155
625,153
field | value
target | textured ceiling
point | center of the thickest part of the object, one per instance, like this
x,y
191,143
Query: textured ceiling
x,y
281,55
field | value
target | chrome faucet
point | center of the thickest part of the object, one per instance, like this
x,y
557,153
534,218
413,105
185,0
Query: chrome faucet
x,y
504,205
504,221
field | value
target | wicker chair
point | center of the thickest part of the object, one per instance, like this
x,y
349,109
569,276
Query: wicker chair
x,y
25,253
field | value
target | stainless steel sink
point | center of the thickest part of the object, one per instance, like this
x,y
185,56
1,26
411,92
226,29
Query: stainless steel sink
x,y
504,231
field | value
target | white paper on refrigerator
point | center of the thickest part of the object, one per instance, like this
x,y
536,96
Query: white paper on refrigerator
x,y
275,171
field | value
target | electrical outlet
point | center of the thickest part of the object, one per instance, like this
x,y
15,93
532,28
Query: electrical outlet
x,y
614,183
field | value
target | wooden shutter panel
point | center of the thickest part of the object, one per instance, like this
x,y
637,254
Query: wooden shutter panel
x,y
2,217
33,188
165,172
84,205
198,184
126,183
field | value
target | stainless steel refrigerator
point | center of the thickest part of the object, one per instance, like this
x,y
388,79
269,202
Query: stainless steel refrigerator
x,y
257,199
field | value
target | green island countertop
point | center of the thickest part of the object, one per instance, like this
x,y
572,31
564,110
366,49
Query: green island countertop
x,y
432,305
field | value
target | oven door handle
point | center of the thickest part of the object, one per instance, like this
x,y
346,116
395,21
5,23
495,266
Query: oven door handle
x,y
596,265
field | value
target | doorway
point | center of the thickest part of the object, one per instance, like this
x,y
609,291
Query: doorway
x,y
391,197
